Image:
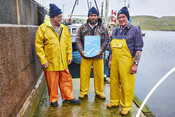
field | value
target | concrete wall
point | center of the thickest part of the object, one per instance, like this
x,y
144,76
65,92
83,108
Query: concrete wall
x,y
8,11
25,12
19,67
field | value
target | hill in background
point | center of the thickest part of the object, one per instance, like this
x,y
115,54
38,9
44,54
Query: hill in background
x,y
166,23
154,23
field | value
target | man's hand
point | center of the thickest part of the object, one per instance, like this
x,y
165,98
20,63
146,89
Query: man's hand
x,y
46,65
69,62
82,52
136,59
99,52
134,69
109,64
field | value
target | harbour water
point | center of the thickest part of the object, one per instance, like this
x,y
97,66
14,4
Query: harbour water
x,y
158,57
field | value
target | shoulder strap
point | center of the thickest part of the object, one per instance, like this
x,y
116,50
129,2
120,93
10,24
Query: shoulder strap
x,y
127,30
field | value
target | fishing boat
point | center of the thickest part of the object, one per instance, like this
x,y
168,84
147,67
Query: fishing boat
x,y
76,55
143,34
75,66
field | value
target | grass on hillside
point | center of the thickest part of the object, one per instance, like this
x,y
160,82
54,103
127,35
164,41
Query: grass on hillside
x,y
154,23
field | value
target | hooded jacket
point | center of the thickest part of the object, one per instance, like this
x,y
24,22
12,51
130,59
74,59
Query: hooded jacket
x,y
52,49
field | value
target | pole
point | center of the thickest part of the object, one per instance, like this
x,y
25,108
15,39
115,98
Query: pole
x,y
102,11
96,5
106,12
88,4
72,10
124,2
63,11
18,13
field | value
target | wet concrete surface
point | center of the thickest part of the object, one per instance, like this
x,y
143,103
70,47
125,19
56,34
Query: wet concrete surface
x,y
91,106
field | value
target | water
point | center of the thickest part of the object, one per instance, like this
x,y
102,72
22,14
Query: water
x,y
158,57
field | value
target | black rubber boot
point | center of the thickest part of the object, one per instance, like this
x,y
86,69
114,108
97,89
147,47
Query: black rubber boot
x,y
73,101
54,104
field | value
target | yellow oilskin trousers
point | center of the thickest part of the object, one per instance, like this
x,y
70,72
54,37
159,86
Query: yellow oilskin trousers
x,y
122,81
98,71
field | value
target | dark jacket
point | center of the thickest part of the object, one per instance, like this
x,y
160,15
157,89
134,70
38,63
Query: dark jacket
x,y
85,30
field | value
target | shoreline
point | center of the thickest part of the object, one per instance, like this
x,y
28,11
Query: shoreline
x,y
157,30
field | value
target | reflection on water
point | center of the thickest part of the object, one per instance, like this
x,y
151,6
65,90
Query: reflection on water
x,y
158,57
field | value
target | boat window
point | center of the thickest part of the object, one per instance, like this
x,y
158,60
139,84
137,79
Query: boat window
x,y
74,30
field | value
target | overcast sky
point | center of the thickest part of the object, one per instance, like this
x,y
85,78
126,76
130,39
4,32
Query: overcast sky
x,y
157,8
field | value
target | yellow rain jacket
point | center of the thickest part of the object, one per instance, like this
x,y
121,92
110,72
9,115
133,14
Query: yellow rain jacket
x,y
51,49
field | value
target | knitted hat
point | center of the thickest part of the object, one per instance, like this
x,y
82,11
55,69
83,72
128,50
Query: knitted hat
x,y
54,10
93,11
125,11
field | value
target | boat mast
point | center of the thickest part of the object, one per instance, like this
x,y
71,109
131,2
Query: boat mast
x,y
106,12
124,2
76,2
88,4
102,11
96,6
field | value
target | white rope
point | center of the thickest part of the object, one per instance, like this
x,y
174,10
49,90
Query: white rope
x,y
153,89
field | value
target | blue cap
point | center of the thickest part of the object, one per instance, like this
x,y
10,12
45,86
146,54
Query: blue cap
x,y
54,10
93,11
125,11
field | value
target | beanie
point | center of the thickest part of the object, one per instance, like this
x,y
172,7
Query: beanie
x,y
125,11
54,10
93,11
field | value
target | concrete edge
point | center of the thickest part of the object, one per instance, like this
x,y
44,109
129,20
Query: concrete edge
x,y
31,104
145,109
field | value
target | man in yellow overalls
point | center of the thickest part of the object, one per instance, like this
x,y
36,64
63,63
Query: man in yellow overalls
x,y
54,49
125,48
93,27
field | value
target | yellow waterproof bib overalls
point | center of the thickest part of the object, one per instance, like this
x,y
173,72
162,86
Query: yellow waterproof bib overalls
x,y
98,71
122,81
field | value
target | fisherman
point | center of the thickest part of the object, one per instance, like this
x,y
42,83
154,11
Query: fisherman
x,y
93,27
125,52
54,48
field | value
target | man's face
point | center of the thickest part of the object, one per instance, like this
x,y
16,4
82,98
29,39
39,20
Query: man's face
x,y
58,19
93,18
123,20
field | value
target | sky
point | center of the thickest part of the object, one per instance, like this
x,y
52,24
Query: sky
x,y
157,8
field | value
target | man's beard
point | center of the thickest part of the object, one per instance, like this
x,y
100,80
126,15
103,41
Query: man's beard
x,y
93,21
